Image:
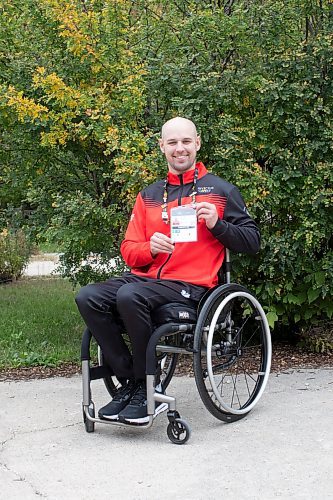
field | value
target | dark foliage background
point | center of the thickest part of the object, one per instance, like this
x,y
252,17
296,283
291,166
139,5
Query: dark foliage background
x,y
85,88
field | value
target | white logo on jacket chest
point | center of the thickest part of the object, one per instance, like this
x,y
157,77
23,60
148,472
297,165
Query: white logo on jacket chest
x,y
205,189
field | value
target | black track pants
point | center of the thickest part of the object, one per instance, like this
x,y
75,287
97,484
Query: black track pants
x,y
124,304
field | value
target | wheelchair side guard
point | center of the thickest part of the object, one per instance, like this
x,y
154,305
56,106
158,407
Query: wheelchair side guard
x,y
175,312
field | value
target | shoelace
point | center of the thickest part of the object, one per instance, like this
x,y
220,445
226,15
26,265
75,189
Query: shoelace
x,y
123,391
139,396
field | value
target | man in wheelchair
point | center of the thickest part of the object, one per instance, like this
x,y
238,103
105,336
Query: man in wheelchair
x,y
174,245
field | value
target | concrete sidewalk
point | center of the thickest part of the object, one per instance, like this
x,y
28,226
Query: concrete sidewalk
x,y
283,449
42,265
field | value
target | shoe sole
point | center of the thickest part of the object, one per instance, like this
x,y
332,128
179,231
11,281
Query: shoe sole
x,y
143,420
108,417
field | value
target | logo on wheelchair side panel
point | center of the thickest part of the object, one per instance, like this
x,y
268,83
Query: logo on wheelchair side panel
x,y
184,315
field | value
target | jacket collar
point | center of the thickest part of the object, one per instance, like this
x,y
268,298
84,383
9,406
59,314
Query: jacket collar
x,y
188,176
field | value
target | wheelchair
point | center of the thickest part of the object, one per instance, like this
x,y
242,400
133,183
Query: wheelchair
x,y
229,339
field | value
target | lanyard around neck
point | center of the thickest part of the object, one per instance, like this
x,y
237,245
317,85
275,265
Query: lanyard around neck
x,y
165,215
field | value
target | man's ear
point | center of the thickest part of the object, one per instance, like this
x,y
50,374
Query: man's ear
x,y
160,141
198,142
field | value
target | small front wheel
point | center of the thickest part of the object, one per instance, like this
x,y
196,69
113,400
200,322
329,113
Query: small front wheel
x,y
178,431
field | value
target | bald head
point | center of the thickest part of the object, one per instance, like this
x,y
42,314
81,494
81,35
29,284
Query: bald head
x,y
179,143
179,123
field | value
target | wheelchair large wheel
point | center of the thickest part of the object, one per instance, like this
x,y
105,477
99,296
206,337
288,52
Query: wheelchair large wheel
x,y
232,356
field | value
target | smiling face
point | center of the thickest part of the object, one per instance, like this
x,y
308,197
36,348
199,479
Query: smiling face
x,y
180,143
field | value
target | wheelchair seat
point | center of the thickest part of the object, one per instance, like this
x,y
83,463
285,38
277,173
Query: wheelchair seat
x,y
175,312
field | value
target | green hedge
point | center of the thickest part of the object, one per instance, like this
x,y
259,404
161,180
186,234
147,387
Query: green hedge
x,y
256,77
14,253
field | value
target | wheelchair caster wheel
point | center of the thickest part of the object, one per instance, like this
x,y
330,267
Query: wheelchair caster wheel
x,y
89,425
178,431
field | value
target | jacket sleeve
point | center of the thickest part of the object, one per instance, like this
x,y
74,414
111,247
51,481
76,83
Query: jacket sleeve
x,y
135,248
237,230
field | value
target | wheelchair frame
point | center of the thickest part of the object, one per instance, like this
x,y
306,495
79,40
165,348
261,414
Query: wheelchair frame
x,y
217,345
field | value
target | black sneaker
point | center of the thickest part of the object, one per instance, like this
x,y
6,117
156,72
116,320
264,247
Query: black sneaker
x,y
136,410
119,401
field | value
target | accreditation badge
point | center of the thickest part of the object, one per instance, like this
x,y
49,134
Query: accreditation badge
x,y
183,222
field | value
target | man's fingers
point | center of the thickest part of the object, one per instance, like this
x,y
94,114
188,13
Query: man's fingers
x,y
160,237
163,237
207,212
160,243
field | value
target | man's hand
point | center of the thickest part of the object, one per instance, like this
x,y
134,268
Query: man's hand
x,y
160,243
207,212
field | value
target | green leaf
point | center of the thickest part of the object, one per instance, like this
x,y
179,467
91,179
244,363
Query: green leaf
x,y
308,314
329,309
313,294
320,278
295,299
272,317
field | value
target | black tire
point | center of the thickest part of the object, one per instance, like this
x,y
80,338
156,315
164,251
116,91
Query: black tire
x,y
233,352
111,382
167,362
89,425
178,432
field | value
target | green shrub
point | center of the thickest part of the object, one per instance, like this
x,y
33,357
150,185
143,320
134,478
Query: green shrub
x,y
318,338
258,83
14,253
79,120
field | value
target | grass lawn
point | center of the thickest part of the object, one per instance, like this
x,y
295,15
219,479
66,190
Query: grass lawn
x,y
39,323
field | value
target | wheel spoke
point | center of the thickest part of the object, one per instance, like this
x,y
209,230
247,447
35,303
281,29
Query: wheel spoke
x,y
252,336
242,327
235,391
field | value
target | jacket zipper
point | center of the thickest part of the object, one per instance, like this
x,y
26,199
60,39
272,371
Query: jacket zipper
x,y
181,190
179,203
160,269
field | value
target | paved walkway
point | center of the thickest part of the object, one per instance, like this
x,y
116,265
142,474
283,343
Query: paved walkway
x,y
283,449
44,265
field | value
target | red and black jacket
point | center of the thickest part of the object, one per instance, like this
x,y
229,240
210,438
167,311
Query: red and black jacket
x,y
196,262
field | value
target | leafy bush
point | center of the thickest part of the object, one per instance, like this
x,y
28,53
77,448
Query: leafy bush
x,y
80,122
258,81
14,253
89,235
318,338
